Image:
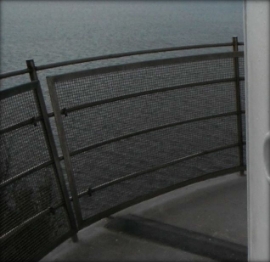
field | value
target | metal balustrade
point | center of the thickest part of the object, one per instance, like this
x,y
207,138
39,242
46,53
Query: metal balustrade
x,y
118,135
34,213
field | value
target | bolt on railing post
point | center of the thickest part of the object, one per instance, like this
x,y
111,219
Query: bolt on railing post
x,y
238,103
32,70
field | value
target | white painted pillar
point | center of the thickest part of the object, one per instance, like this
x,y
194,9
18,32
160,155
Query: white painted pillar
x,y
257,71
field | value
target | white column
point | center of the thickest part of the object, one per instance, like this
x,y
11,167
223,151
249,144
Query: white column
x,y
257,71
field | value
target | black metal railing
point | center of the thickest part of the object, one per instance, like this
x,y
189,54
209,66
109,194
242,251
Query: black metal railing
x,y
117,135
35,211
32,67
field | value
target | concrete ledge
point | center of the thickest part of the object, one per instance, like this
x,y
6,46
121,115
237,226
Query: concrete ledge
x,y
190,241
216,207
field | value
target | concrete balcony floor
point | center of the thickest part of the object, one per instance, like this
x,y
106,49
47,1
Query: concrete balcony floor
x,y
216,208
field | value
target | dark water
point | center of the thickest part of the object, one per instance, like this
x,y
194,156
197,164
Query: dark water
x,y
52,31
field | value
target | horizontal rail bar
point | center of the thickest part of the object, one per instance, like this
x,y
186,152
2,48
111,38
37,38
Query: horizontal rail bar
x,y
152,91
81,150
119,55
159,192
29,121
150,170
51,114
25,173
23,224
14,73
27,222
68,110
16,90
140,65
112,56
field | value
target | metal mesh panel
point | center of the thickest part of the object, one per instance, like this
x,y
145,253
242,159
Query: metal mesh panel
x,y
106,121
149,183
34,239
17,108
27,198
152,149
241,67
96,87
22,149
109,120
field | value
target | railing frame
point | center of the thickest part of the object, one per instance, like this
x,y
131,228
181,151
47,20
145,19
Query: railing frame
x,y
75,218
58,112
56,163
67,160
53,151
35,88
32,69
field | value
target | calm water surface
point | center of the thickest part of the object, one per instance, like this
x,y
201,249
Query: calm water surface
x,y
52,31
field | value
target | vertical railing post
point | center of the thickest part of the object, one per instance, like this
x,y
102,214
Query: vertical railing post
x,y
65,150
238,103
32,70
52,148
54,156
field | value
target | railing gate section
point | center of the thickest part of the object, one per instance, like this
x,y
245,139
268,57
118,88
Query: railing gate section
x,y
130,132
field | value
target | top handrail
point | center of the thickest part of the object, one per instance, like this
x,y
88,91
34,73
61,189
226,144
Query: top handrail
x,y
14,73
147,63
112,56
133,53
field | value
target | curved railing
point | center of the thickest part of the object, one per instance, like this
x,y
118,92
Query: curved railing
x,y
234,44
117,135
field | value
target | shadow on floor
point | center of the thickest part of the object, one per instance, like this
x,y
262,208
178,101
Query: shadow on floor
x,y
213,212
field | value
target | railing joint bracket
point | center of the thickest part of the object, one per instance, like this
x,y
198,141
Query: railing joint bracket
x,y
52,210
64,111
34,120
89,191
